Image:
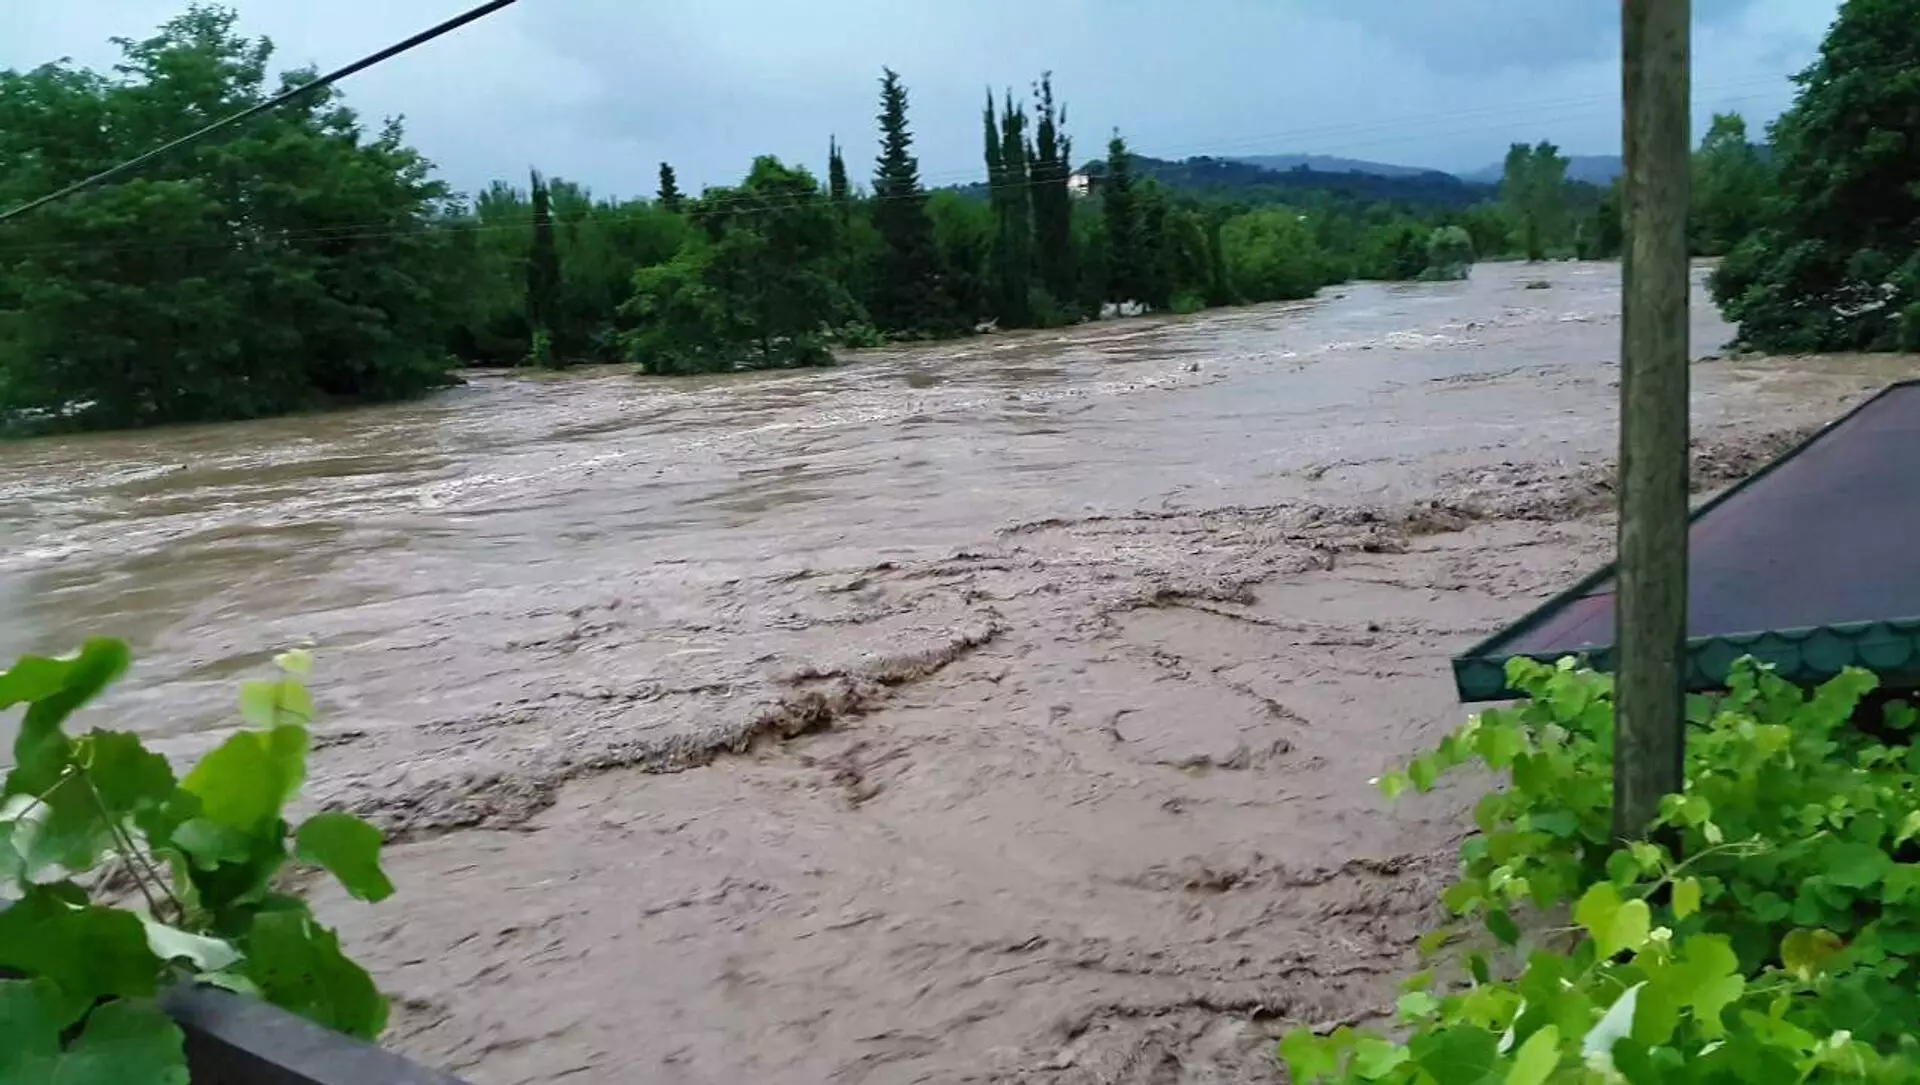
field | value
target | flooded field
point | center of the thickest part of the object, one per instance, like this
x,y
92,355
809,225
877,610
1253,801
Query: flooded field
x,y
993,711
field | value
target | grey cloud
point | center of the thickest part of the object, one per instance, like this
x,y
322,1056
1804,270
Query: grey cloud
x,y
602,90
1471,36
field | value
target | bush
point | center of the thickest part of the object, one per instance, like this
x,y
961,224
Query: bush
x,y
1769,935
1449,254
88,821
1271,255
1187,303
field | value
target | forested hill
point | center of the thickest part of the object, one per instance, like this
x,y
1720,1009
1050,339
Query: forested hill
x,y
1238,181
1226,178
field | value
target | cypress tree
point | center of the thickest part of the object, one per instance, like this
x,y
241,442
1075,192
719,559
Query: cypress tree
x,y
908,295
1052,203
837,189
1117,201
1013,250
670,197
543,277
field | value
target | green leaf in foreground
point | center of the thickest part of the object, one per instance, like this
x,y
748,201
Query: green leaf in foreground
x,y
1686,897
298,966
89,952
52,690
124,1043
349,849
285,703
173,944
1537,1058
1614,925
244,781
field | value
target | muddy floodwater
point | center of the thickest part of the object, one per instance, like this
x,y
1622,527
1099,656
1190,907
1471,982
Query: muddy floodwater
x,y
992,711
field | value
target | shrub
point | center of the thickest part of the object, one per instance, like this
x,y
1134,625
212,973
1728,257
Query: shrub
x,y
1768,934
86,822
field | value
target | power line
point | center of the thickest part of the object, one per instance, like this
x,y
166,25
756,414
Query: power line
x,y
275,102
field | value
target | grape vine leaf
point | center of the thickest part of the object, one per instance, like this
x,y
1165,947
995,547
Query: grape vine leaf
x,y
88,952
1536,1058
63,831
298,966
53,689
173,944
349,849
284,703
122,1043
126,775
243,782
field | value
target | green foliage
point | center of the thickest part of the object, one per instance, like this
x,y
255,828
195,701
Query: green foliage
x,y
1767,929
756,292
1449,254
669,196
543,278
1730,183
1052,203
293,263
1271,255
1835,261
907,294
1123,251
1534,189
81,814
1009,186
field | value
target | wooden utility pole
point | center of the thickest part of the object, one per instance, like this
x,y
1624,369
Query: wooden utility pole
x,y
1650,616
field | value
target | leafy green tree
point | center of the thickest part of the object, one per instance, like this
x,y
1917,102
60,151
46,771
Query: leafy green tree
x,y
670,195
1449,254
1603,232
1122,221
1271,255
543,278
1533,187
966,233
755,291
907,296
293,263
1052,202
1730,183
1835,261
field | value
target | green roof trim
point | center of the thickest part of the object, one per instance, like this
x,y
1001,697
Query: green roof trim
x,y
1821,543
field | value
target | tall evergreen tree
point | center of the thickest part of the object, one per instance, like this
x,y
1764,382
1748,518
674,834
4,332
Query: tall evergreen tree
x,y
837,188
1007,153
1123,239
670,196
543,276
1052,203
907,296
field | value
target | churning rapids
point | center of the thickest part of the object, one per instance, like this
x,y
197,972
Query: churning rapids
x,y
993,711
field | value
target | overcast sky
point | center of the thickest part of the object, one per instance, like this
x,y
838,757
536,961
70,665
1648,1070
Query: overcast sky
x,y
601,90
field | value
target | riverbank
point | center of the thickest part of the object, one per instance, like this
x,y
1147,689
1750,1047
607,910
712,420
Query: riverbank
x,y
997,710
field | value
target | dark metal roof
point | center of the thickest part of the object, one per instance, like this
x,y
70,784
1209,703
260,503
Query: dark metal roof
x,y
1812,564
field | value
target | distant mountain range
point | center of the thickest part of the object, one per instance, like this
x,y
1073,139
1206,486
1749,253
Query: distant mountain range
x,y
1594,169
1281,178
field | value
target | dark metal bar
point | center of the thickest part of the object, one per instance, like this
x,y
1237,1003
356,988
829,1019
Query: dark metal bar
x,y
234,1040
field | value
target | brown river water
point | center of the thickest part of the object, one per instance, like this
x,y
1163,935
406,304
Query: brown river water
x,y
994,711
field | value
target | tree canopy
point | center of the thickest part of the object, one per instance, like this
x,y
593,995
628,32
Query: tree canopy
x,y
294,263
1834,263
